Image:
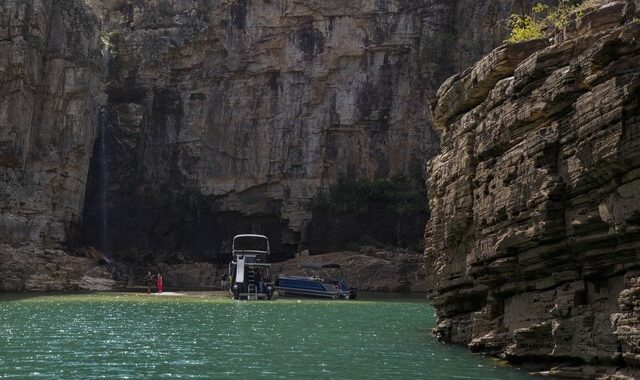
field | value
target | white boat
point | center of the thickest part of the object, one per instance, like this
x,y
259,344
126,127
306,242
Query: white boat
x,y
249,272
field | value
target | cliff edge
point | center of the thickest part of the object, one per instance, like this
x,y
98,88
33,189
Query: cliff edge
x,y
533,245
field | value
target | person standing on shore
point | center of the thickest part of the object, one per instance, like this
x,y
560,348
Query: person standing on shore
x,y
159,283
149,280
223,281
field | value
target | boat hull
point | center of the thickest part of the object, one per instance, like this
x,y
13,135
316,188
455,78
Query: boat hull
x,y
309,287
291,292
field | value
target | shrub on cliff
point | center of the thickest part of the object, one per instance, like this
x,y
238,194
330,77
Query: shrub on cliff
x,y
355,212
526,27
349,196
544,17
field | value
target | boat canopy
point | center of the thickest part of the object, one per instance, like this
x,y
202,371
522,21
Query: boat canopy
x,y
251,244
249,236
320,266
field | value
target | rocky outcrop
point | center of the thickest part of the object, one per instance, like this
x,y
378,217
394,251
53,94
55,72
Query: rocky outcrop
x,y
30,268
192,275
533,246
228,116
51,75
371,269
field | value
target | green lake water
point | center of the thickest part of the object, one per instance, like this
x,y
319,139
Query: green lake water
x,y
139,336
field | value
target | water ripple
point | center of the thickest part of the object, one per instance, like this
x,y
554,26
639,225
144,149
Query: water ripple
x,y
91,337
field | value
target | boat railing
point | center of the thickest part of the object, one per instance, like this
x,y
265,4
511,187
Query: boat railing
x,y
312,275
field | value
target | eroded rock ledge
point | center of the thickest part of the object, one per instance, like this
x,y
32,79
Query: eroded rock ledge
x,y
533,246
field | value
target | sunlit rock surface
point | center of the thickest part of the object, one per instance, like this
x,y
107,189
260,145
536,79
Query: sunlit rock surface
x,y
533,246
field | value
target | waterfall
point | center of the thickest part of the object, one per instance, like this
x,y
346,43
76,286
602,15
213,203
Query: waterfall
x,y
103,175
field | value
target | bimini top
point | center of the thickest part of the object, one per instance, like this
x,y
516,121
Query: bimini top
x,y
250,244
320,265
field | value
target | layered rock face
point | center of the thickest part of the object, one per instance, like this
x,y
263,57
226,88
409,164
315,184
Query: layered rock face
x,y
228,116
51,75
533,246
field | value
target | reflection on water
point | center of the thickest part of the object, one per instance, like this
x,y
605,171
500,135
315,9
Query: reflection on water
x,y
138,336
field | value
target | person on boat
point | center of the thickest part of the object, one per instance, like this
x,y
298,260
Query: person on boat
x,y
159,283
259,280
149,280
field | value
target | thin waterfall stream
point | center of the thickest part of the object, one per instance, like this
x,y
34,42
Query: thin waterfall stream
x,y
103,168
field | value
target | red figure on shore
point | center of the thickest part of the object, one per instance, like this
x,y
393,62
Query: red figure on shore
x,y
160,286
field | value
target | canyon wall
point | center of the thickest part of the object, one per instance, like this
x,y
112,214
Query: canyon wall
x,y
51,76
197,120
533,246
229,116
51,87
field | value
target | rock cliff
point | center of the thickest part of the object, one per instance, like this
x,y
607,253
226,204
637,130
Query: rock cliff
x,y
533,246
51,73
219,117
229,116
51,76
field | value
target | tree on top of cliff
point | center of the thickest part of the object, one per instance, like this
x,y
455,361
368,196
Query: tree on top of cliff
x,y
544,18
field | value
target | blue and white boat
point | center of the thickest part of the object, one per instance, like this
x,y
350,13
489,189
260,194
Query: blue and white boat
x,y
312,285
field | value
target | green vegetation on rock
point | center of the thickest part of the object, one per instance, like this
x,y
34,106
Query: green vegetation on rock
x,y
389,213
349,196
110,39
544,18
526,27
113,41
